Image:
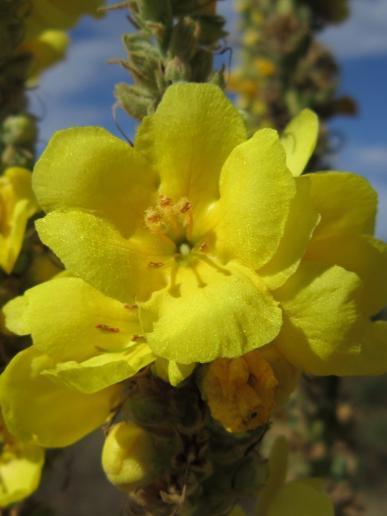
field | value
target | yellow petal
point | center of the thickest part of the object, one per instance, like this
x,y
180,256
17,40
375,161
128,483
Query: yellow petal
x,y
321,316
299,140
17,205
209,313
171,371
20,472
361,254
94,250
101,371
46,50
301,499
52,415
256,192
82,321
58,14
90,169
302,221
346,202
188,139
372,358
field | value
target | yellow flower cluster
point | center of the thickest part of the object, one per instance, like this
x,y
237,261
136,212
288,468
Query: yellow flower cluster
x,y
194,245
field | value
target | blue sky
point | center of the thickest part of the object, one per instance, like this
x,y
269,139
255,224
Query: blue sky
x,y
79,91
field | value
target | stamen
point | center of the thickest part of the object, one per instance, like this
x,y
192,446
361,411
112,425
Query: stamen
x,y
212,263
155,265
186,207
130,307
106,328
165,201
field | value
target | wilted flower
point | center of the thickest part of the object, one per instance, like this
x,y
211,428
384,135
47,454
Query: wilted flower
x,y
243,392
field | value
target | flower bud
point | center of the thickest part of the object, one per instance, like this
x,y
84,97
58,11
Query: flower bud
x,y
129,456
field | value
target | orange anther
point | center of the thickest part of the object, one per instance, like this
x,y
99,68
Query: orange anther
x,y
155,265
108,329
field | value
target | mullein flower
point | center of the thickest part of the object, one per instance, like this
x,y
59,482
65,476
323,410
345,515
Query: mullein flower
x,y
216,242
57,14
17,205
73,371
45,50
20,468
278,497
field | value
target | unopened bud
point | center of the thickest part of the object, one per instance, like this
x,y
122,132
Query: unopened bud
x,y
19,129
129,456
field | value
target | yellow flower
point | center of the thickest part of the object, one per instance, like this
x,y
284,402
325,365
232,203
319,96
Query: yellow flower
x,y
67,383
207,232
298,497
265,67
216,242
17,205
57,14
20,468
46,49
242,392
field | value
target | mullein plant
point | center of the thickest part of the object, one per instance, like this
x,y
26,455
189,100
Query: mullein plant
x,y
204,272
283,68
32,39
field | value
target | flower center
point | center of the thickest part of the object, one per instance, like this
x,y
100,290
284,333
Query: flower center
x,y
172,221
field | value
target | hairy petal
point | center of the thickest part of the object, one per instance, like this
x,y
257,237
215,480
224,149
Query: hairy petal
x,y
256,192
209,313
52,415
299,140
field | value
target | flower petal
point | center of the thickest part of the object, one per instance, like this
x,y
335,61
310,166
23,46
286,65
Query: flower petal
x,y
302,499
94,250
188,139
346,202
82,320
101,371
302,221
90,169
321,317
210,313
361,254
19,206
256,191
52,415
171,371
299,140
